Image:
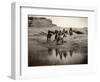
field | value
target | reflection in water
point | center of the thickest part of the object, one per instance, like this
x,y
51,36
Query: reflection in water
x,y
71,52
65,54
57,56
60,53
50,51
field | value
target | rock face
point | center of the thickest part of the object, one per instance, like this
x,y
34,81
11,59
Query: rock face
x,y
39,22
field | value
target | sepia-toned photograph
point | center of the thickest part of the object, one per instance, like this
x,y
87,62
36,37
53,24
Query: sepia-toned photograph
x,y
57,40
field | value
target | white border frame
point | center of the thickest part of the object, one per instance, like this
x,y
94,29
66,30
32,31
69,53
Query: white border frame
x,y
16,71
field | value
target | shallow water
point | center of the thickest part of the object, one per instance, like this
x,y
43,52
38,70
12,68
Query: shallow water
x,y
52,56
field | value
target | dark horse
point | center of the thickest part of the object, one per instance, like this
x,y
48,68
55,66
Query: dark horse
x,y
70,31
59,38
50,33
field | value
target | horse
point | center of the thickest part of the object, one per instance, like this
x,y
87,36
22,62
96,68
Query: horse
x,y
49,35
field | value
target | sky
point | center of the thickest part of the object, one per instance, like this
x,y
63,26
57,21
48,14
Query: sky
x,y
78,22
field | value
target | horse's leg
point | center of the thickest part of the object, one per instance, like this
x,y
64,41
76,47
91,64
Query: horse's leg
x,y
47,39
57,40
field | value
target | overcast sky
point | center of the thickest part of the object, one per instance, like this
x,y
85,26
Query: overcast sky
x,y
78,22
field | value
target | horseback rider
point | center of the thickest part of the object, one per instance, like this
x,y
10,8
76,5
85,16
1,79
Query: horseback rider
x,y
49,35
70,31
